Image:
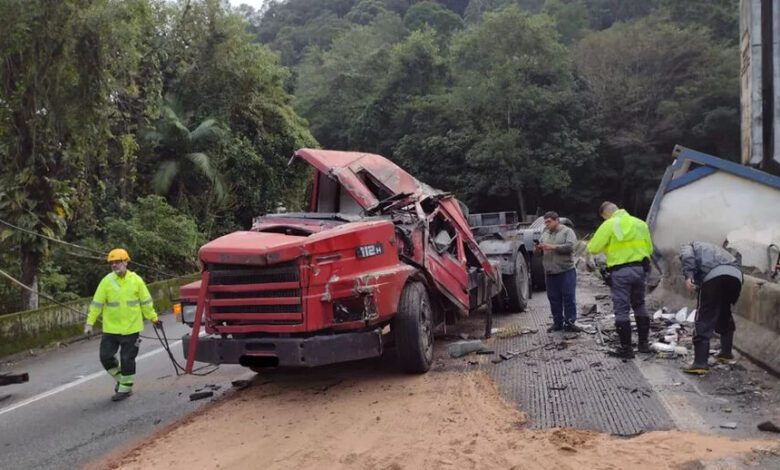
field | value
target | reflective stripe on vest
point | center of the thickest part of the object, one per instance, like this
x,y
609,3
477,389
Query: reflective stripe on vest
x,y
133,302
147,301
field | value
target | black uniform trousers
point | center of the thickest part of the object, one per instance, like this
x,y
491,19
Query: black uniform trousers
x,y
713,313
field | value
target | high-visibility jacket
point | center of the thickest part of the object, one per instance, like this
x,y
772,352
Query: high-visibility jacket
x,y
124,303
623,238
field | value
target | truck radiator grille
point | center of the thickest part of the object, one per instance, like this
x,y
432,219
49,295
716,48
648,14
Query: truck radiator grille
x,y
259,295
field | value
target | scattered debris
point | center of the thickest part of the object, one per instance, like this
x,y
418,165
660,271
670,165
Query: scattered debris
x,y
462,348
768,426
602,296
465,336
589,310
496,360
558,387
729,425
240,384
200,395
692,317
486,352
682,315
669,348
515,330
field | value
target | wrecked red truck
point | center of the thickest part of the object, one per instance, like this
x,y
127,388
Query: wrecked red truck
x,y
378,258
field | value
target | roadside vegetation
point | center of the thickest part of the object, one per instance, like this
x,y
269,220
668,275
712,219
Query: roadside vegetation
x,y
158,125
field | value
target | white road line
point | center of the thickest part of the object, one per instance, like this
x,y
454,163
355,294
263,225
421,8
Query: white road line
x,y
75,383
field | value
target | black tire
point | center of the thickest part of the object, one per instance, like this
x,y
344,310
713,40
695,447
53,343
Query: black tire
x,y
517,286
498,303
413,329
537,274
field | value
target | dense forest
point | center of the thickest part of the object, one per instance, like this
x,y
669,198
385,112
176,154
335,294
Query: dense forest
x,y
157,125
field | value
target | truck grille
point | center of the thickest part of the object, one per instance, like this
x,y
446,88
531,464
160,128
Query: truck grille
x,y
241,295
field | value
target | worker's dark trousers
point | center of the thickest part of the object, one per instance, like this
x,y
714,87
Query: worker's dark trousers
x,y
628,292
124,370
561,292
713,313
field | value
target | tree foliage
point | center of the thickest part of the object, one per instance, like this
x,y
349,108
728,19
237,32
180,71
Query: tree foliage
x,y
86,133
158,124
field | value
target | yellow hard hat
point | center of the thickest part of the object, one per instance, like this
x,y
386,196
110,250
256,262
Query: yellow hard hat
x,y
118,254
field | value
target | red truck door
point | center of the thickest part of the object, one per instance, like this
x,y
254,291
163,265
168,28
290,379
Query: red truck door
x,y
446,259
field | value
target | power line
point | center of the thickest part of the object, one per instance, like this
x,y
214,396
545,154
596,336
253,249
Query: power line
x,y
41,294
73,245
178,368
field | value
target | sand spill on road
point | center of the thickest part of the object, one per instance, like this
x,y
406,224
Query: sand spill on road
x,y
378,420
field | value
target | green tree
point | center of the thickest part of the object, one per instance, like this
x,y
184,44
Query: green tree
x,y
158,234
514,81
184,157
61,65
655,84
365,11
433,15
334,87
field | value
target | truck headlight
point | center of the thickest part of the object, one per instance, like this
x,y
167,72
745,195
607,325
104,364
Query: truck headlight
x,y
188,313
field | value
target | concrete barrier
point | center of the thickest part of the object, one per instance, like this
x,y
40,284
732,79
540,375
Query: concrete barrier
x,y
35,328
756,315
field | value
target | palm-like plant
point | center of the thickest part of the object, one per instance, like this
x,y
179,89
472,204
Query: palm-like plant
x,y
183,153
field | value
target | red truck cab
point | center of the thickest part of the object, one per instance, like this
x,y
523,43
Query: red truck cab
x,y
377,254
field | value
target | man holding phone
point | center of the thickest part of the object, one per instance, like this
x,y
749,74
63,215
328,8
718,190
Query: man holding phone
x,y
556,245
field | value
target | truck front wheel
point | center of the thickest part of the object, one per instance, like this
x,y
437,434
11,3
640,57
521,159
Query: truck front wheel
x,y
413,329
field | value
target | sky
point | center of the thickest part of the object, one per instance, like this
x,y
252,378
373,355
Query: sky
x,y
256,4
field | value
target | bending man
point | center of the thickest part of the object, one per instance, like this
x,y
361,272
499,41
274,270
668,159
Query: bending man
x,y
716,274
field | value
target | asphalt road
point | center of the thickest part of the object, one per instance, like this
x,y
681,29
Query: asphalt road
x,y
64,417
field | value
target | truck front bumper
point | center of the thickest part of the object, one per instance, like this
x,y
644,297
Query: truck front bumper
x,y
287,352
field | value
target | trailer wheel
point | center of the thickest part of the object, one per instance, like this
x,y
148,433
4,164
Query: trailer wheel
x,y
537,273
413,329
517,285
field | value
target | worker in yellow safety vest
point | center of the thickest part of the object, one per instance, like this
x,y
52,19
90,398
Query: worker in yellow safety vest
x,y
627,244
124,301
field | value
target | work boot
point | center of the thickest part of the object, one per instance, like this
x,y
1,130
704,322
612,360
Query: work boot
x,y
701,354
726,355
643,331
572,328
555,327
119,396
624,351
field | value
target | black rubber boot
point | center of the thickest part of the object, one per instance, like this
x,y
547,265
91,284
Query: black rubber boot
x,y
701,354
726,354
643,330
119,396
624,351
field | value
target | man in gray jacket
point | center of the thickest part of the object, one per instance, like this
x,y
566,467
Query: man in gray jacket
x,y
557,246
716,274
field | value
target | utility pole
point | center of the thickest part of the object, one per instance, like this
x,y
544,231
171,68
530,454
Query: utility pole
x,y
760,83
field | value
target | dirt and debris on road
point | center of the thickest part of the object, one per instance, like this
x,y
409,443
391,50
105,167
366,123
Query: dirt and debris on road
x,y
368,415
364,417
